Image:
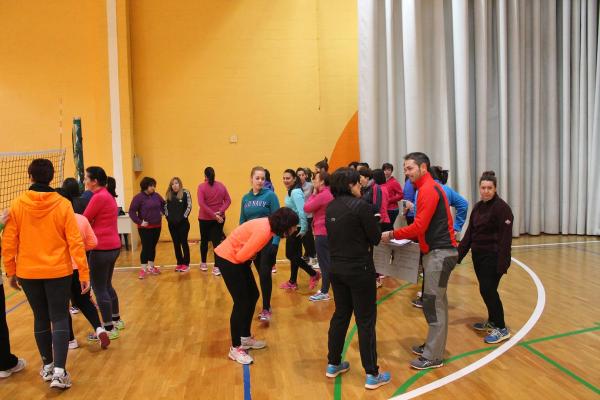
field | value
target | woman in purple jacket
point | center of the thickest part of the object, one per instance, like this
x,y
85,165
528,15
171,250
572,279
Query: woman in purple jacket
x,y
146,210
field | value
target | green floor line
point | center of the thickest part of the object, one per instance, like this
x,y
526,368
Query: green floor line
x,y
337,390
560,335
11,295
563,369
410,381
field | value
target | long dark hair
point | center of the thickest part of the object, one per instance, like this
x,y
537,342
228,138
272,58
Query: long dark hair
x,y
209,173
297,184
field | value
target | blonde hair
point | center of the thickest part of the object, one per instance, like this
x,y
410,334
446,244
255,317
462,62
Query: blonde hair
x,y
169,194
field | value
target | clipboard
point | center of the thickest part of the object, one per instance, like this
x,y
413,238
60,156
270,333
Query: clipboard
x,y
399,259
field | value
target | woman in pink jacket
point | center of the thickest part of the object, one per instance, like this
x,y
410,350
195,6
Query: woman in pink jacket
x,y
213,200
80,300
317,204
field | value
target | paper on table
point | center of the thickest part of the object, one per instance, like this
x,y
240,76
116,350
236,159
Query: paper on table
x,y
401,242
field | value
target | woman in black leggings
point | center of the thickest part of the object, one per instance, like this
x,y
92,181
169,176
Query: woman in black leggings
x,y
80,300
40,213
489,236
177,210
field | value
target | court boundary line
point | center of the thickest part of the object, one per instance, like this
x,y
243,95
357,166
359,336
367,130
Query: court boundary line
x,y
410,381
535,316
286,261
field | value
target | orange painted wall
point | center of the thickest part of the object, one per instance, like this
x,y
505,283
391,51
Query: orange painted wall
x,y
52,50
281,76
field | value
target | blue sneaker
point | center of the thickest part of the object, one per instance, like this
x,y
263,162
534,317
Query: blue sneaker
x,y
373,382
334,370
497,335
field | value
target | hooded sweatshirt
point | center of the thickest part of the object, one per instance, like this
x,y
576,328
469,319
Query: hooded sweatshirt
x,y
41,236
259,205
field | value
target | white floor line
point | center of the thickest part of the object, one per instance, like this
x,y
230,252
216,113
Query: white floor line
x,y
286,261
537,313
191,265
554,244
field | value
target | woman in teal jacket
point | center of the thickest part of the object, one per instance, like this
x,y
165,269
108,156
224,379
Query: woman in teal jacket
x,y
260,202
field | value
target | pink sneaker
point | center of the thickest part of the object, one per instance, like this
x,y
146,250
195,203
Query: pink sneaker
x,y
203,267
313,280
178,268
274,269
184,268
154,270
142,273
265,315
289,285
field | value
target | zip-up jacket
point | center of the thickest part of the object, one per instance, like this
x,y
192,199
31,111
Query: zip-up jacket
x,y
245,241
102,212
433,225
295,201
352,231
176,210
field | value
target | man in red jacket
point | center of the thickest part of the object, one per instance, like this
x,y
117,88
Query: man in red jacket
x,y
433,226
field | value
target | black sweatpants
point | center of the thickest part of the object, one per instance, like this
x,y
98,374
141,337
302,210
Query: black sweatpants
x,y
264,261
210,231
7,359
486,269
354,293
242,287
102,266
84,303
49,301
149,238
179,235
308,241
293,252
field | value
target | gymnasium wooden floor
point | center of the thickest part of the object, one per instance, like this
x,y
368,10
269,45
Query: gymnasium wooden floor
x,y
176,341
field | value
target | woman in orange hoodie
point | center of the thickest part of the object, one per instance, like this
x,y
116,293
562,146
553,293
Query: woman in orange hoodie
x,y
39,240
233,257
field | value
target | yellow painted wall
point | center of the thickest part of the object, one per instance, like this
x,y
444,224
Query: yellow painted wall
x,y
281,75
51,50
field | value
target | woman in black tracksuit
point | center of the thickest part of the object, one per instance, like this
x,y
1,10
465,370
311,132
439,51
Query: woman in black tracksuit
x,y
352,230
177,209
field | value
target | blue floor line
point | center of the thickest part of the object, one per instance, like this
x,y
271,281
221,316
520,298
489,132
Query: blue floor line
x,y
15,306
247,393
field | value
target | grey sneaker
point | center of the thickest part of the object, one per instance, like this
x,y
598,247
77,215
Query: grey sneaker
x,y
20,365
47,371
484,326
418,350
423,363
61,381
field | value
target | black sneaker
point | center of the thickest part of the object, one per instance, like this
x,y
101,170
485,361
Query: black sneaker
x,y
418,302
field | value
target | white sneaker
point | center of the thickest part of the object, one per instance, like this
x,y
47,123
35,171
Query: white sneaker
x,y
47,372
61,381
216,271
20,365
240,355
251,343
203,267
73,344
